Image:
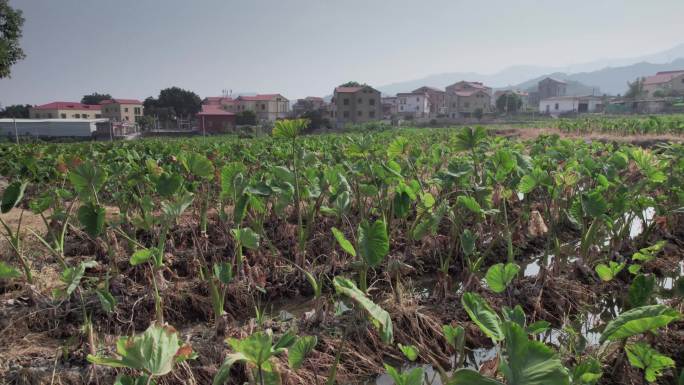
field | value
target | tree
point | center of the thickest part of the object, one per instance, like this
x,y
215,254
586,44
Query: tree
x,y
184,103
95,98
636,88
509,103
353,84
246,117
316,120
11,21
16,111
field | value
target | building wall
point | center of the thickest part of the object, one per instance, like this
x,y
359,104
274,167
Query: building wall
x,y
63,114
270,110
561,106
675,84
549,88
361,106
416,105
216,124
122,112
458,106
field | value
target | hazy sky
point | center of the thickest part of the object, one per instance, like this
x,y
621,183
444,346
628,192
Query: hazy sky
x,y
133,48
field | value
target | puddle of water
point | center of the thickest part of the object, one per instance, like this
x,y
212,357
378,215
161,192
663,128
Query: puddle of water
x,y
637,225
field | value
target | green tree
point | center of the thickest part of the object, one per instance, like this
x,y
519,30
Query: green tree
x,y
18,111
95,98
635,88
509,103
11,21
246,117
353,84
173,102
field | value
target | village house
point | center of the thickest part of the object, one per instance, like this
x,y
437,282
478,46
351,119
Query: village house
x,y
356,105
559,105
267,107
122,110
524,97
227,103
65,110
308,104
214,119
669,83
465,99
389,106
436,100
413,105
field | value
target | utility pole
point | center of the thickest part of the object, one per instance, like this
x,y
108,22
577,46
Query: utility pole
x,y
16,132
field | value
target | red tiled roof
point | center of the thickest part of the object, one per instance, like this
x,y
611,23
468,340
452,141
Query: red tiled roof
x,y
424,88
351,90
67,106
218,100
662,77
213,109
121,101
314,98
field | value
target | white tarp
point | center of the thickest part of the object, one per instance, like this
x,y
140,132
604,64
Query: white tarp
x,y
50,127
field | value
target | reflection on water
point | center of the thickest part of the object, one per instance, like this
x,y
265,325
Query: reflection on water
x,y
637,225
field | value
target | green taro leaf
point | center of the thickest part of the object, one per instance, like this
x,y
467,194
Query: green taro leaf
x,y
413,377
471,377
199,165
381,319
107,300
610,271
12,196
7,271
298,352
373,242
223,374
92,217
641,289
128,380
499,276
482,314
343,242
644,357
517,315
142,256
409,351
88,179
470,203
637,321
587,372
168,184
247,237
455,336
223,271
538,327
594,204
530,362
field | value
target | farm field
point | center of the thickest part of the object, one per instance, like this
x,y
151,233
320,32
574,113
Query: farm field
x,y
436,256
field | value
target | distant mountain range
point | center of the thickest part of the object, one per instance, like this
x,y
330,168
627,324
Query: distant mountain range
x,y
606,76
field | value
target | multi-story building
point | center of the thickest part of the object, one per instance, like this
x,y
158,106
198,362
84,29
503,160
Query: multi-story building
x,y
227,103
356,105
65,110
464,99
558,105
308,104
436,100
550,88
267,107
413,105
389,106
122,110
667,82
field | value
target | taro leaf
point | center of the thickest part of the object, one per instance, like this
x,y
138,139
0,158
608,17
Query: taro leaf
x,y
594,204
430,224
455,336
499,276
168,184
199,165
587,372
409,351
468,242
517,315
247,237
285,341
7,271
538,327
482,314
634,269
527,184
637,321
12,196
681,377
229,184
373,242
648,253
642,356
107,300
240,209
223,374
381,319
641,289
72,276
397,147
610,271
470,203
223,271
154,352
142,256
257,348
401,204
289,128
530,362
343,242
92,217
128,380
413,377
173,210
471,377
87,179
298,352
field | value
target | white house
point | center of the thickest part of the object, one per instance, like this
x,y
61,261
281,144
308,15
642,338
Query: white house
x,y
567,104
413,104
51,127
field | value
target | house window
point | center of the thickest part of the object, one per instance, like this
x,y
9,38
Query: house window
x,y
466,104
125,109
359,101
371,102
126,117
63,116
77,116
556,106
346,101
136,110
371,114
263,107
345,114
401,108
417,99
359,113
49,115
84,116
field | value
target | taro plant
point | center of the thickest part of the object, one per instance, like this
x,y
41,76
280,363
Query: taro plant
x,y
152,354
258,353
379,317
10,199
372,244
499,276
